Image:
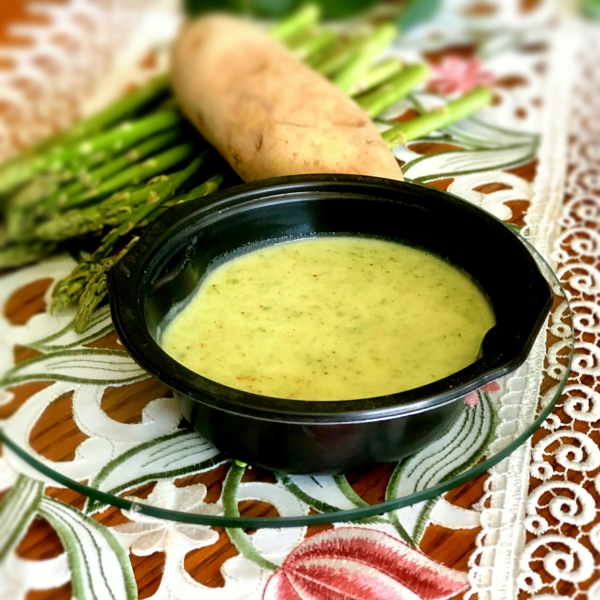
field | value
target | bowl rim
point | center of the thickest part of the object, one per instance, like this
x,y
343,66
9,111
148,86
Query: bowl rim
x,y
159,238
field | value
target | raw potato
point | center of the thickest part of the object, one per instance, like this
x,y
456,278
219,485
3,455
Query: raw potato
x,y
266,112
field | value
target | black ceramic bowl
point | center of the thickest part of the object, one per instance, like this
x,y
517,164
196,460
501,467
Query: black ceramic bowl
x,y
325,437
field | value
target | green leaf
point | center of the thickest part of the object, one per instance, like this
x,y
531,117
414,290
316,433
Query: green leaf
x,y
326,494
17,510
455,451
84,365
417,12
453,163
321,492
173,455
591,8
99,566
485,135
100,325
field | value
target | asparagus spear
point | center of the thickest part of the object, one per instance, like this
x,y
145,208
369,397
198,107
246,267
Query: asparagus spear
x,y
87,283
22,223
399,86
17,255
123,137
340,56
376,75
36,190
358,65
121,109
171,185
208,187
67,196
140,172
315,44
68,159
297,23
18,170
22,216
454,111
95,289
70,288
114,210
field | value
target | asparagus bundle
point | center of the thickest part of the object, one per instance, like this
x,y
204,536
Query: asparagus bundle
x,y
98,184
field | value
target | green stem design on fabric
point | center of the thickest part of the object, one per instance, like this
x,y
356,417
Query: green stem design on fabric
x,y
466,427
482,135
325,507
521,160
465,152
401,531
76,531
237,536
346,489
96,359
475,424
423,519
17,510
471,460
319,505
46,346
484,442
160,448
527,153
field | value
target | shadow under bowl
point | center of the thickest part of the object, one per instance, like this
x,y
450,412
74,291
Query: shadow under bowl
x,y
324,437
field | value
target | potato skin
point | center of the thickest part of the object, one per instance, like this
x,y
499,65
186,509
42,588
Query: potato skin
x,y
266,112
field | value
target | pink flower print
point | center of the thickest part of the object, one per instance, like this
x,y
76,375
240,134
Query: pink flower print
x,y
472,399
455,75
493,386
354,563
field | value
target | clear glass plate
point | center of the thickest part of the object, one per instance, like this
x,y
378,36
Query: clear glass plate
x,y
494,422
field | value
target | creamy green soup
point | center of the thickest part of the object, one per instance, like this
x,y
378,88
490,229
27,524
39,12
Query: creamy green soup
x,y
330,318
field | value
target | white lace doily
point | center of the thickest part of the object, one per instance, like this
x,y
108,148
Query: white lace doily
x,y
541,504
